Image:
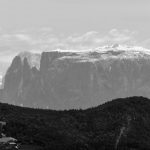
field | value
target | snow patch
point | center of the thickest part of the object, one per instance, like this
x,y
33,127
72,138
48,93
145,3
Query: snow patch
x,y
115,51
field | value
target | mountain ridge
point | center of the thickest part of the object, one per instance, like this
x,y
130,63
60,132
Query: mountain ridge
x,y
112,49
66,79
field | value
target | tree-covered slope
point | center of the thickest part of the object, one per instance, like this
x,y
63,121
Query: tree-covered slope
x,y
119,124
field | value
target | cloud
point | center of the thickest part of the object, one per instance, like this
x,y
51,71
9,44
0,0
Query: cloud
x,y
122,36
23,37
82,38
43,39
94,39
146,43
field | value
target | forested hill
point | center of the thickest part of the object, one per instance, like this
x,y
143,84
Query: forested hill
x,y
119,124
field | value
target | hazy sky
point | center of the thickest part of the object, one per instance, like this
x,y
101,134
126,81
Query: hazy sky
x,y
71,16
71,24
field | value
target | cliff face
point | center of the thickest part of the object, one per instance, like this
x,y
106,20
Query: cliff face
x,y
63,80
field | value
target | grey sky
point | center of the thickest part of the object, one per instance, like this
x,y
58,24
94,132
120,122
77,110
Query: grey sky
x,y
49,24
75,15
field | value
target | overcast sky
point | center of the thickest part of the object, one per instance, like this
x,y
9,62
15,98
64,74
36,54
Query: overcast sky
x,y
71,16
71,24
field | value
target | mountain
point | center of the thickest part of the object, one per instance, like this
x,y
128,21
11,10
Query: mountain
x,y
0,81
116,125
67,79
3,67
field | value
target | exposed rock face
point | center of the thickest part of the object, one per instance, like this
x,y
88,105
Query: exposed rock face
x,y
1,81
63,80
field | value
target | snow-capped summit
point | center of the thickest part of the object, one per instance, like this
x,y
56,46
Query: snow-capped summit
x,y
126,48
110,51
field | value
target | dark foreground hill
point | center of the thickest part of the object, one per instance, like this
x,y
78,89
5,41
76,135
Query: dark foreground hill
x,y
119,124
